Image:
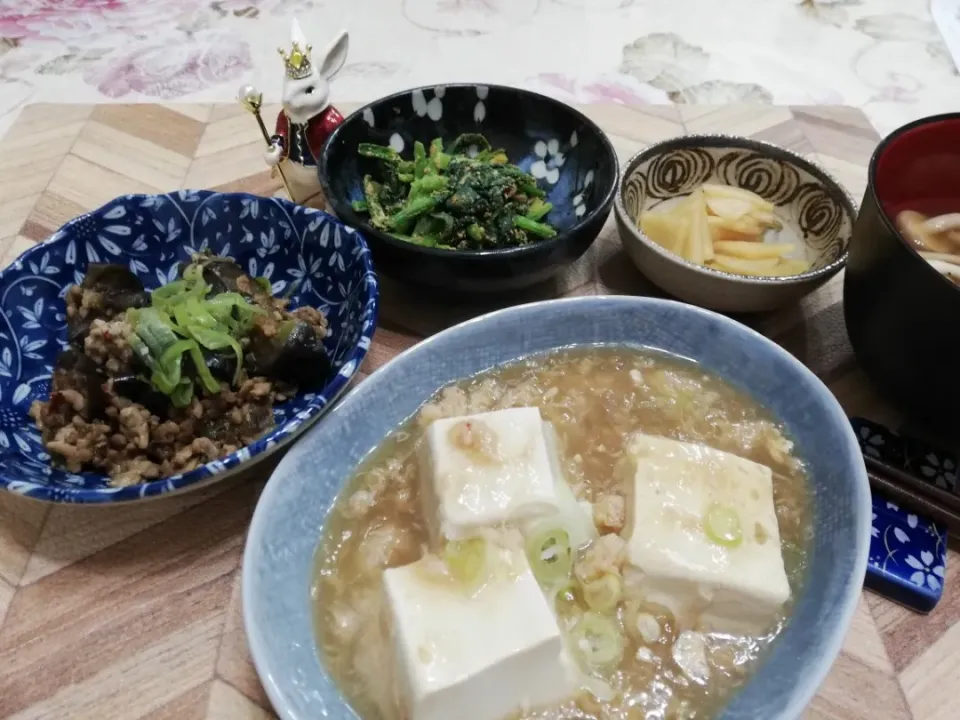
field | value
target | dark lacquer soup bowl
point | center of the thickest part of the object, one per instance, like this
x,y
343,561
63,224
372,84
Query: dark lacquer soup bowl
x,y
574,164
897,305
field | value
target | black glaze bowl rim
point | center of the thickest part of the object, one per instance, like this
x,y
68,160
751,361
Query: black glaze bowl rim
x,y
721,141
346,214
872,188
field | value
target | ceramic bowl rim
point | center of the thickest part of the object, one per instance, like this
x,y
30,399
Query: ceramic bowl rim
x,y
721,141
813,675
202,474
603,207
872,186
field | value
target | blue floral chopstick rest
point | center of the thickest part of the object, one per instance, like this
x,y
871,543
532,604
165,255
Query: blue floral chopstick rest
x,y
908,551
908,555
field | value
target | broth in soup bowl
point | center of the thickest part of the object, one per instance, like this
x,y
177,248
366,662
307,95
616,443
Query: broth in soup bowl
x,y
598,507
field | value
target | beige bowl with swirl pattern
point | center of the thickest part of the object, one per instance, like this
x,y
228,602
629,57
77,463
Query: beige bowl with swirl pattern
x,y
816,212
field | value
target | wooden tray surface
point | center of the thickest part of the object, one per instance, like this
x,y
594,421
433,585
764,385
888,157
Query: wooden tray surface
x,y
134,612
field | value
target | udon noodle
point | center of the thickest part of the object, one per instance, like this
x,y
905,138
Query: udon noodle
x,y
937,240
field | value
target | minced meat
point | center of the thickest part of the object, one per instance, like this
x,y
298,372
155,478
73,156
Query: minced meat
x,y
108,345
106,413
134,445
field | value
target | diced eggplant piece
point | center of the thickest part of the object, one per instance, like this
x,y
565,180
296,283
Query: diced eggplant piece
x,y
76,372
117,289
142,392
225,275
295,355
222,274
221,363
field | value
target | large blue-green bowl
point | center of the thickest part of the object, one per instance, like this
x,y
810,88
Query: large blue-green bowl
x,y
279,561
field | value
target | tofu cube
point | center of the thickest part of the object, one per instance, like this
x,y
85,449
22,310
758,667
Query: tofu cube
x,y
731,587
495,469
474,656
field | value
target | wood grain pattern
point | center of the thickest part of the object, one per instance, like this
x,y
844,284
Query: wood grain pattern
x,y
134,612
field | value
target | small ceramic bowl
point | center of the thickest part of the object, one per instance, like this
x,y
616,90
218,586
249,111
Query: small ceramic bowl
x,y
573,159
897,307
816,212
279,560
305,253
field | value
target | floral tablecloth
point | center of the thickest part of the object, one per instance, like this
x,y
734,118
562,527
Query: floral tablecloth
x,y
885,56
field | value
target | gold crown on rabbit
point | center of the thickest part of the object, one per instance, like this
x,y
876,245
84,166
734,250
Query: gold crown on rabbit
x,y
297,63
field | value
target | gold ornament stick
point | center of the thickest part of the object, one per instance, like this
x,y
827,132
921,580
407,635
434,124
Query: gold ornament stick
x,y
252,100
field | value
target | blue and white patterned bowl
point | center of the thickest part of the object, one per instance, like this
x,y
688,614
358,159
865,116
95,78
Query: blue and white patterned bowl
x,y
151,234
278,564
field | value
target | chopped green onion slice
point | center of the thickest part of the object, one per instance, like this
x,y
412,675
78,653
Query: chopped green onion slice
x,y
604,593
154,328
168,293
466,559
565,601
550,555
183,393
209,382
721,523
218,340
596,640
142,351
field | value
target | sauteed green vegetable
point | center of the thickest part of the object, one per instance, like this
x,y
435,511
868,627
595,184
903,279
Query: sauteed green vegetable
x,y
465,197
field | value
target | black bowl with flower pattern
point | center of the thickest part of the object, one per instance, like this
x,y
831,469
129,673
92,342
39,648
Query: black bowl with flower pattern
x,y
571,157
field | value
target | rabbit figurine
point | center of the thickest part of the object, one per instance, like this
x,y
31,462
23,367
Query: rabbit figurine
x,y
307,118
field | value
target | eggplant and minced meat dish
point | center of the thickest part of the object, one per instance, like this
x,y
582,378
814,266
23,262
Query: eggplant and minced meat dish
x,y
152,384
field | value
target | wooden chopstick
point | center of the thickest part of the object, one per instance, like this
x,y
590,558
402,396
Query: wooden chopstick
x,y
927,499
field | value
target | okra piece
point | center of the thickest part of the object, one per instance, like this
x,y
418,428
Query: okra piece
x,y
476,232
419,159
426,185
371,190
538,209
380,152
414,209
530,189
533,227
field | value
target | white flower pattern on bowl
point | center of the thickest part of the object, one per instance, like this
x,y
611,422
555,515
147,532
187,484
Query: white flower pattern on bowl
x,y
579,205
432,108
551,159
480,110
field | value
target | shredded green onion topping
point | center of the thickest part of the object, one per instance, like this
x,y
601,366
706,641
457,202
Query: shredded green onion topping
x,y
183,321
